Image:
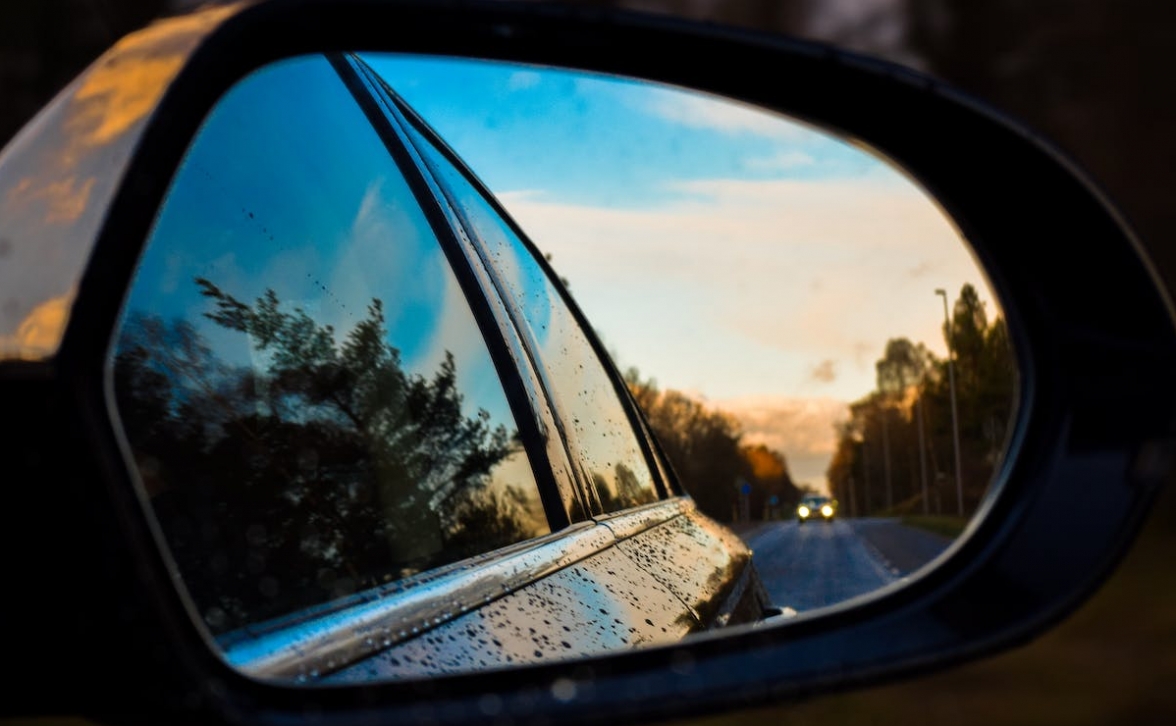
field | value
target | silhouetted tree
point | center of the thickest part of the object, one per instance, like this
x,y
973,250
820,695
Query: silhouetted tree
x,y
704,446
879,446
324,469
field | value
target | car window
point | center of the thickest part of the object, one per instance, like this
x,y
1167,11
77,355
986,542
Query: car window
x,y
596,423
307,398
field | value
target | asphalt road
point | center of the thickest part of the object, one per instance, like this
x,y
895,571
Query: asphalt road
x,y
822,563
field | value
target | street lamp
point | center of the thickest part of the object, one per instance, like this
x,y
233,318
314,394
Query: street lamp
x,y
955,420
922,447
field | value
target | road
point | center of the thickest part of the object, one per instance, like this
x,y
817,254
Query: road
x,y
822,563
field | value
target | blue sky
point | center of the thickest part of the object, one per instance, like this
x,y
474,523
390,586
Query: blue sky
x,y
754,262
354,233
603,141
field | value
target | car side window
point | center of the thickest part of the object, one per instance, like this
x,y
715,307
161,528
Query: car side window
x,y
597,426
308,400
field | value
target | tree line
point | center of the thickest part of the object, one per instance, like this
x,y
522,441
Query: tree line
x,y
896,452
713,463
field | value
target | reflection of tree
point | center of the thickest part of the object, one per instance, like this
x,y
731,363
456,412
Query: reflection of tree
x,y
325,470
484,515
628,489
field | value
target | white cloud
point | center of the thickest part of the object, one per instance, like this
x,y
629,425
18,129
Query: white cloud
x,y
743,286
712,112
415,271
783,161
521,196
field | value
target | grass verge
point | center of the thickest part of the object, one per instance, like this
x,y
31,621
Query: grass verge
x,y
942,524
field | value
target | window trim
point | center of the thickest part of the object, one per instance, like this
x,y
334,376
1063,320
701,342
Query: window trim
x,y
664,480
315,642
509,376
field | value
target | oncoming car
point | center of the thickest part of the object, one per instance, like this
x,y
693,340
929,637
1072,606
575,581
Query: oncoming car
x,y
811,507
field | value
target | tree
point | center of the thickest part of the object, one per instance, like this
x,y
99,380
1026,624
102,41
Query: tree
x,y
767,472
901,368
705,448
969,325
883,442
322,469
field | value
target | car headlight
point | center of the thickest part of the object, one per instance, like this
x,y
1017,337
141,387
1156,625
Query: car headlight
x,y
803,511
826,511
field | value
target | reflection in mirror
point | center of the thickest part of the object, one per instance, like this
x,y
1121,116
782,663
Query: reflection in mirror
x,y
380,442
301,381
805,330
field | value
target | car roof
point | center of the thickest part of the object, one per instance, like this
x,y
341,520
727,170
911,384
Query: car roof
x,y
59,173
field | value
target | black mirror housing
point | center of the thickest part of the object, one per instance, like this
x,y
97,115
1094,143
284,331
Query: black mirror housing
x,y
1093,441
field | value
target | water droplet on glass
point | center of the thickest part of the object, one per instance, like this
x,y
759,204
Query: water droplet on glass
x,y
563,690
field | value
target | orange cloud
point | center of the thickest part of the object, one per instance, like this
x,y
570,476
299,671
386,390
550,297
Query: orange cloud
x,y
123,88
39,334
800,428
116,96
64,179
64,201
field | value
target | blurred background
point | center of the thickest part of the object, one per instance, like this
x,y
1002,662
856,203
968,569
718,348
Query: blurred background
x,y
1096,77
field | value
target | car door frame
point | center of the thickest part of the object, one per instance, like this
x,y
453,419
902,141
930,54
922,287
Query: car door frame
x,y
665,484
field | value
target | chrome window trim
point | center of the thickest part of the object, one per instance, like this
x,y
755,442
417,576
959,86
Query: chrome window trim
x,y
629,522
529,372
662,487
310,644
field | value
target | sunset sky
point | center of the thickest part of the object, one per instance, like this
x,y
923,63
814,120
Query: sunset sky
x,y
729,253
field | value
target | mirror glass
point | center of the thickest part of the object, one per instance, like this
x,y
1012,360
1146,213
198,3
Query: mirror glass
x,y
364,384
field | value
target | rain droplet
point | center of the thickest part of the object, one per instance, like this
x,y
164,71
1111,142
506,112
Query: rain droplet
x,y
563,690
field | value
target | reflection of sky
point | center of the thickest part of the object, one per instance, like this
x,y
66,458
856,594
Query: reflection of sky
x,y
584,394
727,252
600,141
303,199
527,281
58,174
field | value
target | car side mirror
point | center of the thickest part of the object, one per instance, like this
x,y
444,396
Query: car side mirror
x,y
1089,443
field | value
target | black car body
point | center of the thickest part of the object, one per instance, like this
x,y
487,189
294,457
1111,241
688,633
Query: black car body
x,y
80,188
424,565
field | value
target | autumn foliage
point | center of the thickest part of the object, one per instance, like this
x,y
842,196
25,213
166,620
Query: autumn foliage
x,y
706,449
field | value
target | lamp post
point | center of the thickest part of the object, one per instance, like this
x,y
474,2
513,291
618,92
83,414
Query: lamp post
x,y
955,420
922,452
